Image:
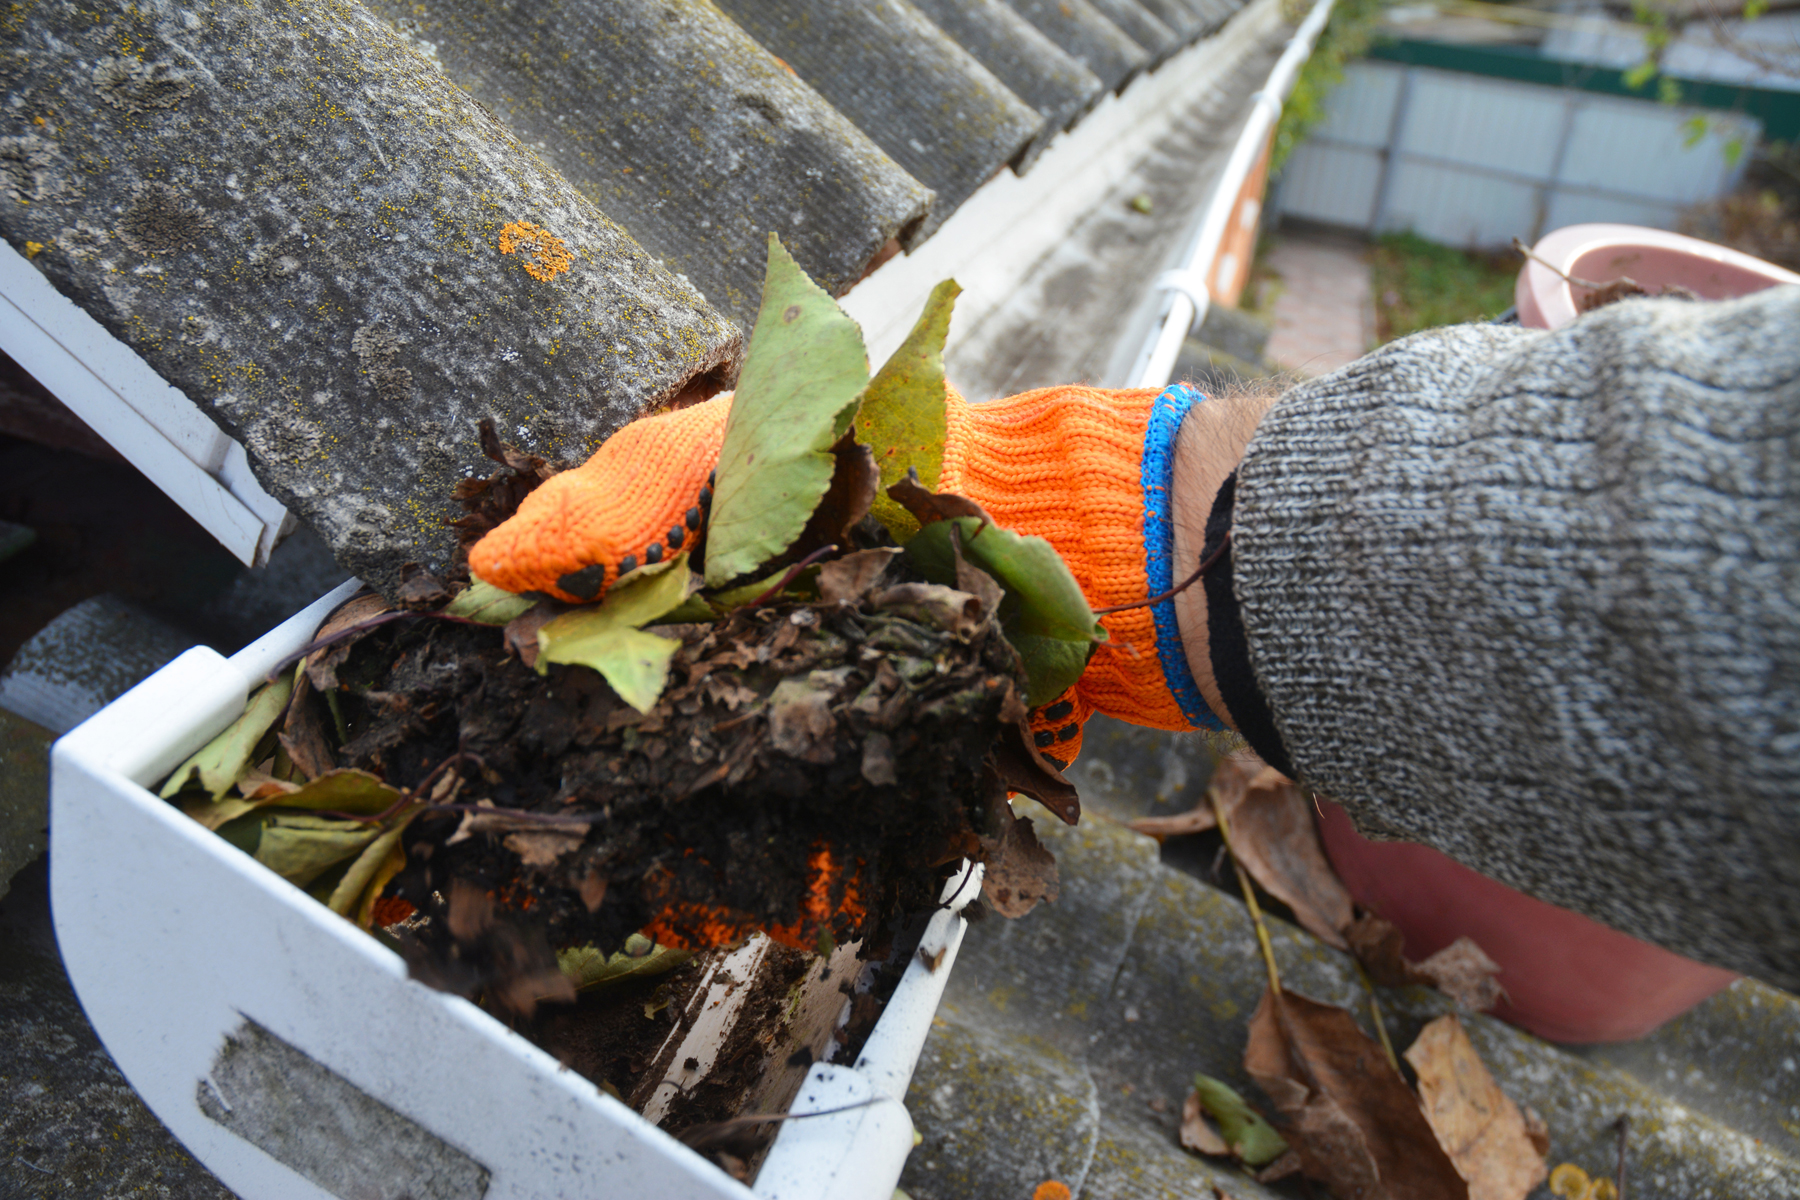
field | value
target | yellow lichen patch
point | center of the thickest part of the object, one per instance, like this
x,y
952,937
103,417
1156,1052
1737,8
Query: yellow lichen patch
x,y
1572,1183
33,249
548,255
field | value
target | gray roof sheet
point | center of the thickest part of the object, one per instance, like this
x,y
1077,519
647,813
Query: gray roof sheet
x,y
679,126
295,215
922,98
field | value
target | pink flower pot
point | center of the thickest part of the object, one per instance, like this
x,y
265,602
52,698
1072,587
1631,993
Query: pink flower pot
x,y
1653,257
1567,978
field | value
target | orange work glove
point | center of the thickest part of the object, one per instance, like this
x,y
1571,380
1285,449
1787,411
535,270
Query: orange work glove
x,y
1085,468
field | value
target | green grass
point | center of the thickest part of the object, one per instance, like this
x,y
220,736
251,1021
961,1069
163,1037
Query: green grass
x,y
1421,285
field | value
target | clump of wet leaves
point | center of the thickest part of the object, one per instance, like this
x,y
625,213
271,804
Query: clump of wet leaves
x,y
798,725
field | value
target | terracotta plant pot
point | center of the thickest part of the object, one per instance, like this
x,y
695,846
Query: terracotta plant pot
x,y
1654,258
1567,978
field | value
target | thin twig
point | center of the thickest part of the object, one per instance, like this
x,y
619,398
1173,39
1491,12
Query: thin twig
x,y
1206,565
1375,1015
702,1135
1589,284
1623,1124
349,631
792,571
1262,931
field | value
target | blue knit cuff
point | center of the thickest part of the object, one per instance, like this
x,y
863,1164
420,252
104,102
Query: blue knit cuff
x,y
1159,549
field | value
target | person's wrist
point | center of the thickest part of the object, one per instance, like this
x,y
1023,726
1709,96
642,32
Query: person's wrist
x,y
1208,449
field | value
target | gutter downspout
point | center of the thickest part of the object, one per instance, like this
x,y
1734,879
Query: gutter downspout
x,y
1191,298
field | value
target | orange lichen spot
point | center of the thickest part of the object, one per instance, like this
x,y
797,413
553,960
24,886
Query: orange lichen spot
x,y
389,910
1052,1189
547,255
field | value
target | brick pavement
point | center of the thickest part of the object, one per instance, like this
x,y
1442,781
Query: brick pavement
x,y
1324,311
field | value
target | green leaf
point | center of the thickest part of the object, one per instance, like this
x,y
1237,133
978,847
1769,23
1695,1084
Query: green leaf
x,y
1640,75
300,848
490,605
1693,129
641,958
1755,8
607,636
1044,616
1734,150
796,396
902,415
342,790
348,899
1051,665
723,602
1042,596
221,761
1668,91
1250,1137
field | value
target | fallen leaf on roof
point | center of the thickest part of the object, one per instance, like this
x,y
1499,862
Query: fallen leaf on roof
x,y
1460,970
1196,1134
1243,1132
1274,835
1481,1130
1352,1120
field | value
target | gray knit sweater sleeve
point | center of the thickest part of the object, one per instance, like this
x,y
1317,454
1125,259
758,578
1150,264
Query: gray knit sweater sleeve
x,y
1534,599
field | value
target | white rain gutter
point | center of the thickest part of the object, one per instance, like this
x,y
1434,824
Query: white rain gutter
x,y
1192,296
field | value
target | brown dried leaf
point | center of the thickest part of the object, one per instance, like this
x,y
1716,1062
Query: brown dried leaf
x,y
1196,1134
303,733
521,633
1023,768
420,590
1622,288
322,665
1020,872
1483,1132
1465,974
1352,1120
1274,836
541,848
854,480
800,721
973,580
1537,1131
1460,970
927,506
1377,944
848,579
947,608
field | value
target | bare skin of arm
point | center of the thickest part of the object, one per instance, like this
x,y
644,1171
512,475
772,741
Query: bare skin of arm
x,y
1207,450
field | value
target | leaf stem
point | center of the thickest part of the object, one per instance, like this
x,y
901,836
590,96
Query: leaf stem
x,y
1375,1015
792,571
1262,931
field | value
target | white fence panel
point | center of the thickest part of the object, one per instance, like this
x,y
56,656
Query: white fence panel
x,y
1458,207
1512,127
1641,150
1468,160
1341,184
